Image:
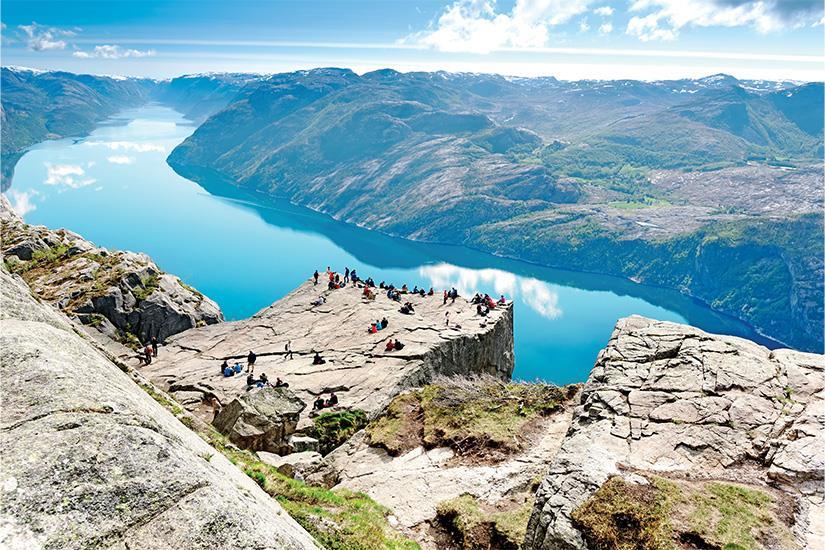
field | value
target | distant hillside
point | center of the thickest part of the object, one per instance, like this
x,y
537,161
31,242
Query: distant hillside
x,y
198,96
49,105
560,173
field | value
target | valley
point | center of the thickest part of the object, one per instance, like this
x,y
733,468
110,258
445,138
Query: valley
x,y
709,187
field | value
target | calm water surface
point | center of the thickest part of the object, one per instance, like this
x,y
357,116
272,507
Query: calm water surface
x,y
115,188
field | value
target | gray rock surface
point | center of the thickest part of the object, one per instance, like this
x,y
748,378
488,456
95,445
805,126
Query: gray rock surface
x,y
116,292
90,460
296,463
358,369
664,397
261,420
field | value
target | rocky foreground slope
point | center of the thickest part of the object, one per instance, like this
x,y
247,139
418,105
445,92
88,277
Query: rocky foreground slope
x,y
91,460
358,369
670,401
123,295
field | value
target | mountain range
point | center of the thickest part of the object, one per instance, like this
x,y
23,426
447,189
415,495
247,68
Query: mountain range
x,y
711,186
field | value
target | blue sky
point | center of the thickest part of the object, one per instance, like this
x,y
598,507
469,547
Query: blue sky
x,y
570,39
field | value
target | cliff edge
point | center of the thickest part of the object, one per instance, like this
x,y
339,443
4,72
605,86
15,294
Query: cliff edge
x,y
335,324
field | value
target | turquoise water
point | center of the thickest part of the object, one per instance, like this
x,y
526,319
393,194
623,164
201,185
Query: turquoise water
x,y
115,188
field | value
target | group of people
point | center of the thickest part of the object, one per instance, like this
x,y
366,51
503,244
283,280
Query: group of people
x,y
484,303
263,381
321,403
451,294
149,351
391,346
407,308
378,325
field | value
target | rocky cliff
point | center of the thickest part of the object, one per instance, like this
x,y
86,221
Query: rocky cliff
x,y
360,371
91,460
123,295
668,414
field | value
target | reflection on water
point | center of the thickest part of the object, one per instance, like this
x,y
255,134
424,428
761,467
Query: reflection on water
x,y
246,251
536,294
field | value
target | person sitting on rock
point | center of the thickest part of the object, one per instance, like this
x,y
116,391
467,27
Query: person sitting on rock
x,y
238,368
147,352
481,310
390,345
431,292
321,300
415,289
405,310
280,383
379,325
398,345
381,285
319,403
421,292
333,400
228,371
384,323
250,381
404,289
224,366
250,361
318,360
502,301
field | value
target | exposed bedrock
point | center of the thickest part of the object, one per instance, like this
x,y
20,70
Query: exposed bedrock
x,y
671,399
357,366
90,460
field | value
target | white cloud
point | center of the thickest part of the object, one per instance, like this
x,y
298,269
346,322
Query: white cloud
x,y
39,38
112,51
22,202
127,146
69,175
665,18
475,26
583,26
538,295
121,159
604,11
606,28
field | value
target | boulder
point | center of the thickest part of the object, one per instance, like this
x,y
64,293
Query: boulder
x,y
261,420
91,283
301,443
672,399
90,460
289,465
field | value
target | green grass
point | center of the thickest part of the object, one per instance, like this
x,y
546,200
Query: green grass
x,y
148,285
338,519
331,429
469,416
474,527
628,516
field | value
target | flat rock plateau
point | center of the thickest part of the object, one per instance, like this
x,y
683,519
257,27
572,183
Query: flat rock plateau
x,y
358,369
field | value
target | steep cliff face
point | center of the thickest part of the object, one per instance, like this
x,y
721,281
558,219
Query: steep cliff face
x,y
91,460
121,294
670,400
358,368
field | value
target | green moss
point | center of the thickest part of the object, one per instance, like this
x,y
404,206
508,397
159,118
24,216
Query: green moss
x,y
331,429
731,515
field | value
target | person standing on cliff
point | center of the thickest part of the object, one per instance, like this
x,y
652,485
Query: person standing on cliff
x,y
250,362
346,275
155,346
288,350
315,276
